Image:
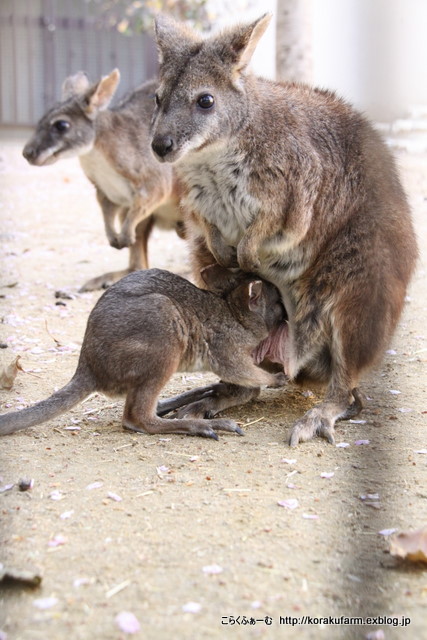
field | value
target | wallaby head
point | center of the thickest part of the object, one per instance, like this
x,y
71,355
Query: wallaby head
x,y
69,128
256,304
200,98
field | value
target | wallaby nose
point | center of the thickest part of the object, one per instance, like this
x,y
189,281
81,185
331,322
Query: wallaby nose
x,y
162,145
29,152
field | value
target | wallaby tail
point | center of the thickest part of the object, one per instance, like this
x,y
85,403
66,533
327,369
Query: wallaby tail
x,y
79,387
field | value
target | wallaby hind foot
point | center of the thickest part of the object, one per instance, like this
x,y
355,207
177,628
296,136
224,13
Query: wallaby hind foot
x,y
320,420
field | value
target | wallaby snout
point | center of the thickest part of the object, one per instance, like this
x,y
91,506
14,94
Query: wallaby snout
x,y
162,145
30,153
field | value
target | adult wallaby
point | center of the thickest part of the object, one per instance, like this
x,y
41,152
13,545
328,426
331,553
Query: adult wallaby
x,y
291,183
153,323
113,146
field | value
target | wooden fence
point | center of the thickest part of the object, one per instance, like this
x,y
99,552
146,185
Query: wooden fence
x,y
43,41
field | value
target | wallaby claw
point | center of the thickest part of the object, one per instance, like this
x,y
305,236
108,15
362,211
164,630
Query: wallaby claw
x,y
210,433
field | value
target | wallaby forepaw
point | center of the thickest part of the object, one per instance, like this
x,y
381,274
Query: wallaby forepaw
x,y
248,262
124,239
310,425
279,380
114,242
227,257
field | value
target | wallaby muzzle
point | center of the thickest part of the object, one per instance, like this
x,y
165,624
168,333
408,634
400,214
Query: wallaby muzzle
x,y
162,145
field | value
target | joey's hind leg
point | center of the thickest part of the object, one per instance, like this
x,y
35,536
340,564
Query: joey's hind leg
x,y
216,398
139,415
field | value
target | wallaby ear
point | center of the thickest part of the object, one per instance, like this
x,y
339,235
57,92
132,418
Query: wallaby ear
x,y
172,37
243,39
217,278
75,85
103,93
254,293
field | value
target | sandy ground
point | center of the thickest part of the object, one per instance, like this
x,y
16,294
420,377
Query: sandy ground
x,y
187,534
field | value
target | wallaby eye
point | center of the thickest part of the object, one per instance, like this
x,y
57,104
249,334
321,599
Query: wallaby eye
x,y
157,99
206,101
61,125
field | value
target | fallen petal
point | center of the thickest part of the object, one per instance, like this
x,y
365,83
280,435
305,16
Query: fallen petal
x,y
162,469
291,503
192,607
288,460
327,474
114,496
420,451
127,622
310,516
375,635
57,541
66,514
359,442
394,392
56,495
212,569
342,445
79,582
387,532
45,603
94,485
6,487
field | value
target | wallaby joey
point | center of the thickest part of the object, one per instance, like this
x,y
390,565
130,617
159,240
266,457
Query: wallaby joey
x,y
153,323
113,146
291,183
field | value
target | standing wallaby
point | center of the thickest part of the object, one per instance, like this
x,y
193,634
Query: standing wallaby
x,y
153,323
291,183
113,146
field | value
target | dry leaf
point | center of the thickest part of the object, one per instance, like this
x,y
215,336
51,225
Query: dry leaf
x,y
411,545
9,373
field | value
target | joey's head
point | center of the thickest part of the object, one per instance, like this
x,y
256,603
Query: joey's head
x,y
256,304
69,128
201,96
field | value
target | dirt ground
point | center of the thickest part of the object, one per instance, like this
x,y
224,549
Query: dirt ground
x,y
184,533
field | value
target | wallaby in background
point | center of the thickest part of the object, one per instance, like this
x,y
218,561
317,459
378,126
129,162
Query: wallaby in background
x,y
113,146
154,323
293,184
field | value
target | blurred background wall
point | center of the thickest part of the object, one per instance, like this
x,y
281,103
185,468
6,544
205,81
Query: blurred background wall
x,y
372,52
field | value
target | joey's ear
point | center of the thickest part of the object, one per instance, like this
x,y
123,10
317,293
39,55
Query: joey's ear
x,y
217,278
242,40
254,293
172,37
102,94
75,85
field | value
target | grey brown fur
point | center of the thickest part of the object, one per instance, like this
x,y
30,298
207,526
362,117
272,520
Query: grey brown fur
x,y
292,183
153,323
113,146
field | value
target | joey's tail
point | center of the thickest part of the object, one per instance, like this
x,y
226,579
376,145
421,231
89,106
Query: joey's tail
x,y
79,387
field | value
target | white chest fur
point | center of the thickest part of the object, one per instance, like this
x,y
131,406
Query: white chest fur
x,y
101,172
217,189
